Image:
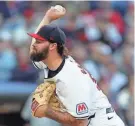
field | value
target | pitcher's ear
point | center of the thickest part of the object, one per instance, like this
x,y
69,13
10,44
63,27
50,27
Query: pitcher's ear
x,y
53,46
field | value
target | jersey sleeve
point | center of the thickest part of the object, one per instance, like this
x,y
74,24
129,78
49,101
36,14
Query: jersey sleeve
x,y
76,98
39,65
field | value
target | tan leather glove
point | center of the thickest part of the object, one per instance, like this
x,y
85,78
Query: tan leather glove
x,y
56,104
42,95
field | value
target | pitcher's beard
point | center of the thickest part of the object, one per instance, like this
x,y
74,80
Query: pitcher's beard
x,y
39,56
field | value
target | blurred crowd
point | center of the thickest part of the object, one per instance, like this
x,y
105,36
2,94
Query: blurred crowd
x,y
100,36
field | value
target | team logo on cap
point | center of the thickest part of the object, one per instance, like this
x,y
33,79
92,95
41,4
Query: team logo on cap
x,y
81,108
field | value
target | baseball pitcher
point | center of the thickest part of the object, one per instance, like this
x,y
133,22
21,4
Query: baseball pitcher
x,y
69,94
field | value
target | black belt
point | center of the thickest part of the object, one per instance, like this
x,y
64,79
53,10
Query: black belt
x,y
108,110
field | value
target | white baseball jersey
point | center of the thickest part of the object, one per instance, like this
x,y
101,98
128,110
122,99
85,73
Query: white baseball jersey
x,y
76,89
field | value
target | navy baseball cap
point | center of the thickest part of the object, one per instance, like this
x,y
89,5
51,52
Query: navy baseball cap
x,y
50,33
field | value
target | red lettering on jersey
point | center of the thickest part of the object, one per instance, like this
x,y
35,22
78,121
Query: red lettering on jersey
x,y
81,108
82,70
94,80
85,72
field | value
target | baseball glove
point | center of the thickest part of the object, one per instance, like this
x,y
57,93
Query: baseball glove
x,y
45,95
56,104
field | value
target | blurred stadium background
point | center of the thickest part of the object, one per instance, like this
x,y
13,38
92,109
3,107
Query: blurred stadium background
x,y
100,36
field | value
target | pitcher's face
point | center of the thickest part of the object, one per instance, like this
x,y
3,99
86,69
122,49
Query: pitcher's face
x,y
39,50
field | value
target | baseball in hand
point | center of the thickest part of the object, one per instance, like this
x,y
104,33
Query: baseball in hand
x,y
56,12
59,7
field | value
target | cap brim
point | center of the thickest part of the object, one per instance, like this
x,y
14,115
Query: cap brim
x,y
36,36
